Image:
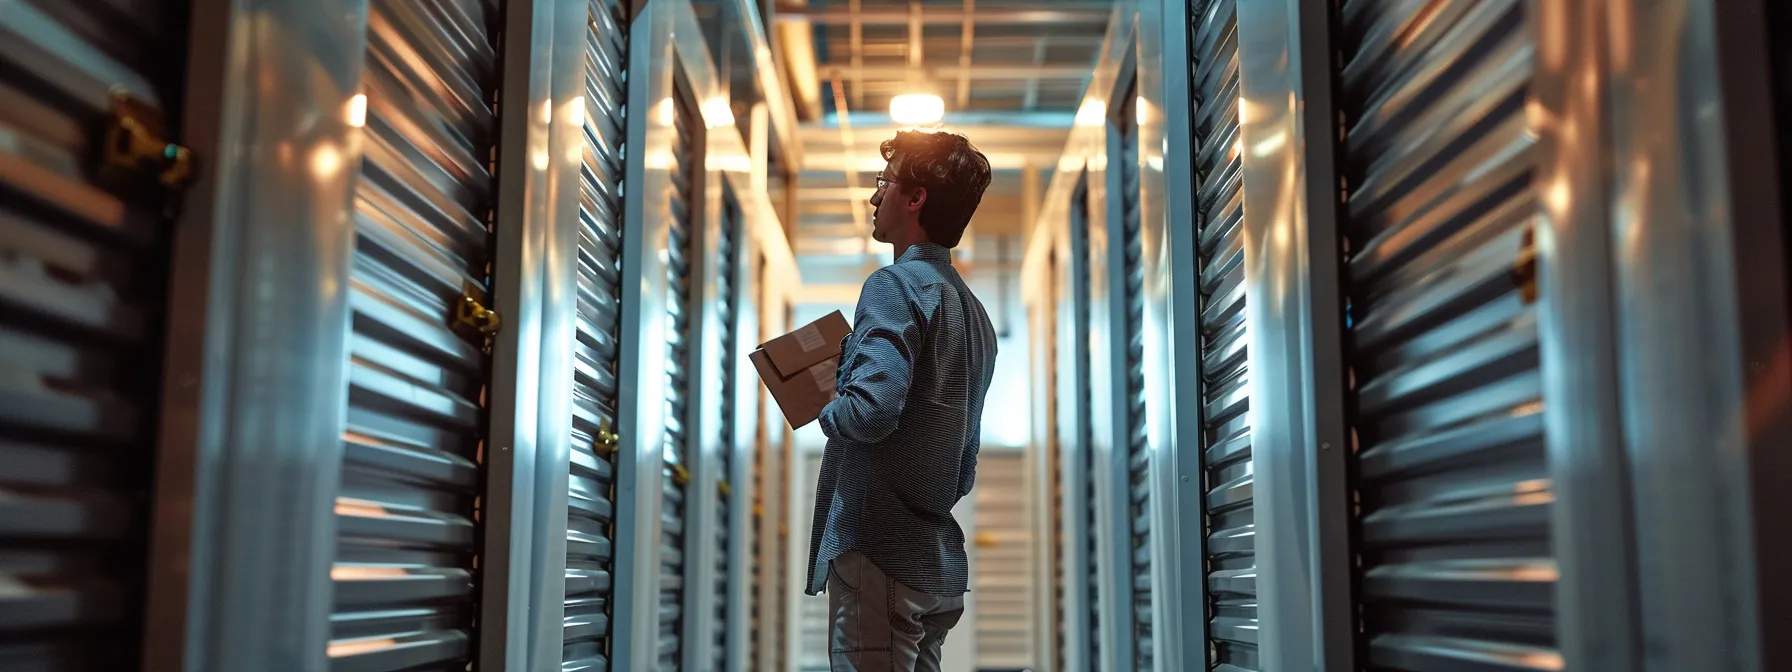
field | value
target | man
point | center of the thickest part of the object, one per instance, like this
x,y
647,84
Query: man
x,y
903,430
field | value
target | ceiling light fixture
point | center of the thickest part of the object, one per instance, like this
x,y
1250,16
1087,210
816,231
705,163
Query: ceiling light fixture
x,y
915,109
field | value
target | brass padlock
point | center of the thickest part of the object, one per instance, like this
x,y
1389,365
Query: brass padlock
x,y
135,145
472,312
606,442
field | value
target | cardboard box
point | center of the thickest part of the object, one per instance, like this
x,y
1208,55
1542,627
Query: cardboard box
x,y
798,367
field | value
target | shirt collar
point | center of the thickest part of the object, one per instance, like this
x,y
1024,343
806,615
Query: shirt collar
x,y
928,252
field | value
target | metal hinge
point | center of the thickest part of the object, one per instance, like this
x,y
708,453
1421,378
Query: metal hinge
x,y
135,144
472,312
606,442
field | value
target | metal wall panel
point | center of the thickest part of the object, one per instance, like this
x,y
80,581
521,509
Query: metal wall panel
x,y
251,421
83,290
1295,315
405,531
1228,479
682,247
1698,222
1456,562
599,341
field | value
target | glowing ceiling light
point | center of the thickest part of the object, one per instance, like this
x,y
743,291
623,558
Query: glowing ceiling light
x,y
917,108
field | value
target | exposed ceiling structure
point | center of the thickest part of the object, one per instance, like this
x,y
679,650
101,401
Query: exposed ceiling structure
x,y
1010,72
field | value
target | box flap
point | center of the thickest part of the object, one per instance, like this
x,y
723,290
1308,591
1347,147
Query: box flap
x,y
801,396
816,342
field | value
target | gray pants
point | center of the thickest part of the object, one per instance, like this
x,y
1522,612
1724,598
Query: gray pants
x,y
880,625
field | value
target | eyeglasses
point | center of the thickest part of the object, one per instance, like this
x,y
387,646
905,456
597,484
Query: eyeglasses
x,y
884,182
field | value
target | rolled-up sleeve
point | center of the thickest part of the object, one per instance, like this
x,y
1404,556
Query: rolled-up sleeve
x,y
887,325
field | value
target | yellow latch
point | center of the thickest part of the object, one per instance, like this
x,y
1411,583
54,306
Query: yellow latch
x,y
723,487
1524,267
606,442
680,475
473,313
134,144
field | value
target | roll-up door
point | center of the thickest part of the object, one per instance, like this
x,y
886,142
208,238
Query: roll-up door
x,y
1457,570
83,261
1138,451
417,368
1087,546
726,308
591,496
1054,486
680,237
749,306
1225,387
1004,585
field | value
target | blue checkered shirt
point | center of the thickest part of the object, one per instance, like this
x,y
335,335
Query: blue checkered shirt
x,y
903,432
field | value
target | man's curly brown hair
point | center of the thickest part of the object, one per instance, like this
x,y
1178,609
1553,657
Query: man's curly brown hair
x,y
954,173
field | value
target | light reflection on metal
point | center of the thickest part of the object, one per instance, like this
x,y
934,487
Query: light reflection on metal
x,y
357,110
1092,113
717,113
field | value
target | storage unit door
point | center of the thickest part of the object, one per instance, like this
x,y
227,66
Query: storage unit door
x,y
1138,450
83,261
1004,587
406,541
1080,251
1055,493
682,201
1455,494
726,308
1225,387
591,485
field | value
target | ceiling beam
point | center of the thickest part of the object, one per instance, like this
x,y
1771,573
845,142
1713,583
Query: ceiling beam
x,y
1060,11
900,72
964,54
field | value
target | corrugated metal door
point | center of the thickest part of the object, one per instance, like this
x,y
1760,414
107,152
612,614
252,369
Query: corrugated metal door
x,y
83,260
680,239
1138,450
1455,492
591,489
410,479
1055,488
1225,377
727,307
1087,546
1004,581
813,619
